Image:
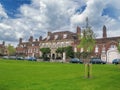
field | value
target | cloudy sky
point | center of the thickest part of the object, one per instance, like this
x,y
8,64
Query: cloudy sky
x,y
22,18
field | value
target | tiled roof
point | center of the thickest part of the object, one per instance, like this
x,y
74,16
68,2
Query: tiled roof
x,y
100,40
69,35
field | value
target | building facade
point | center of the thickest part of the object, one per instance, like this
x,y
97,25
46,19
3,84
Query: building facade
x,y
52,41
105,48
3,49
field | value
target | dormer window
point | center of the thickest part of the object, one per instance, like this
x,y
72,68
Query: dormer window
x,y
65,36
48,37
24,45
96,49
113,46
32,44
56,37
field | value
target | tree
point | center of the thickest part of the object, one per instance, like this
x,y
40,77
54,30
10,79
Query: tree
x,y
69,52
60,50
118,47
45,52
87,43
11,50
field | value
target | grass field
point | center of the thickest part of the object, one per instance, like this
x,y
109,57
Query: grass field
x,y
27,75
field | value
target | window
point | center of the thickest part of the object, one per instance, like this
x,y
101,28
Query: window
x,y
24,45
56,36
40,44
67,43
62,44
113,46
32,44
81,50
21,45
48,37
96,49
65,36
103,49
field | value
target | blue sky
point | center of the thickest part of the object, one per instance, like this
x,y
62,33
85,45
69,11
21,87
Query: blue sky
x,y
12,6
22,18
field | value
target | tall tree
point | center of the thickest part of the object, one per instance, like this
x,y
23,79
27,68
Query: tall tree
x,y
11,50
45,52
87,43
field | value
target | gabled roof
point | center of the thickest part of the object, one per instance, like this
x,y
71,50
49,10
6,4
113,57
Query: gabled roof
x,y
99,40
69,35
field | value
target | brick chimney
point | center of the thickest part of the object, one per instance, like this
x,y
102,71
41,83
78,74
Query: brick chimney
x,y
104,32
20,40
31,39
78,30
40,38
49,33
36,40
3,43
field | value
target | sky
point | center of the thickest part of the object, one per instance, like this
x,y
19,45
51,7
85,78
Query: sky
x,y
23,18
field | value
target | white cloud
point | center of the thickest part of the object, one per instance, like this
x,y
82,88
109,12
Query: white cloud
x,y
50,15
2,13
94,11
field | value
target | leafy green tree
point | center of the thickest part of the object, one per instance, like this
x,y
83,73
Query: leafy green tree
x,y
60,51
69,52
118,47
11,50
1,51
87,43
45,52
77,54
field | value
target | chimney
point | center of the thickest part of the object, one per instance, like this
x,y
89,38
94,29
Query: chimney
x,y
40,38
20,40
3,43
49,33
104,32
78,30
31,39
36,40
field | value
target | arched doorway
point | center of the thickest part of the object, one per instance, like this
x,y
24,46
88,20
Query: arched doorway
x,y
112,54
53,56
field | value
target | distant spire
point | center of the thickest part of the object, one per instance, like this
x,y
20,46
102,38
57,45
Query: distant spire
x,y
104,32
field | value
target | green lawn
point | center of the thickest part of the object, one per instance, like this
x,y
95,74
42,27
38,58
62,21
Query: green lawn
x,y
27,75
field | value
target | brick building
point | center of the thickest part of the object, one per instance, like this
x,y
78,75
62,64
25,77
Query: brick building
x,y
3,49
106,47
52,41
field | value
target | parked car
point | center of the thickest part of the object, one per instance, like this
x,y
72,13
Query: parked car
x,y
30,58
116,61
12,57
97,61
19,58
5,57
76,60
